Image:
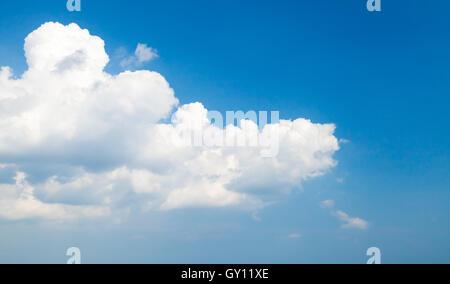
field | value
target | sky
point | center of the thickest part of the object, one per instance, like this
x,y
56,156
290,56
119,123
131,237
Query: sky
x,y
363,160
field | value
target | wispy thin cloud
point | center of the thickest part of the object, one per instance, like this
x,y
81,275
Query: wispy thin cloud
x,y
142,54
344,141
327,204
295,236
349,222
256,217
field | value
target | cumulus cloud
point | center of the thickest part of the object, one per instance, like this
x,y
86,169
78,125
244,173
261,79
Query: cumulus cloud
x,y
142,54
99,141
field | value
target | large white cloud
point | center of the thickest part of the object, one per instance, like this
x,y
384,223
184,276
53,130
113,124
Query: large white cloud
x,y
66,111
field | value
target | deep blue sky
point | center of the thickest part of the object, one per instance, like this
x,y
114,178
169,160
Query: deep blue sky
x,y
382,78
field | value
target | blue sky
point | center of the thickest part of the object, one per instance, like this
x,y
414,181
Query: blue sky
x,y
382,78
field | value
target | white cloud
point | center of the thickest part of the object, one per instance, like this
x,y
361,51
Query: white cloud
x,y
4,166
351,222
142,54
17,201
256,217
66,112
344,141
327,204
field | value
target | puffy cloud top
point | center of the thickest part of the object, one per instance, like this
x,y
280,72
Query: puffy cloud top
x,y
57,48
93,144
